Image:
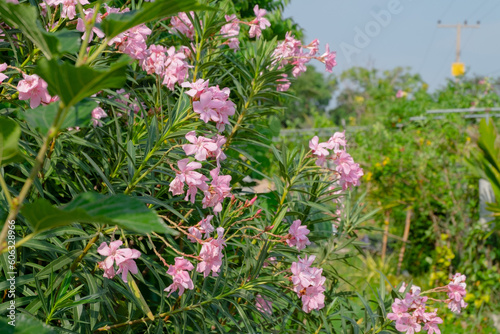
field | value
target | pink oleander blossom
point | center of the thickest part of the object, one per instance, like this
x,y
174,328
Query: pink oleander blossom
x,y
180,275
336,141
328,58
308,284
456,293
214,105
69,7
283,83
155,62
80,25
183,25
196,88
298,235
3,67
349,171
97,114
176,68
259,23
211,255
320,150
34,88
219,189
187,175
199,147
123,258
263,305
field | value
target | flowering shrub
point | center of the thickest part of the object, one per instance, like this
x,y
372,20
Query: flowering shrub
x,y
141,118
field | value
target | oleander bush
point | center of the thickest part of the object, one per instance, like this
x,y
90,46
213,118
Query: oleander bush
x,y
133,139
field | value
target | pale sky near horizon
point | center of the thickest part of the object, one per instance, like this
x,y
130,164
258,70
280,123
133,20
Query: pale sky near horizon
x,y
410,37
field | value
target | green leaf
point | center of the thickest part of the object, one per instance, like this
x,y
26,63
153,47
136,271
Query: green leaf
x,y
72,84
25,18
42,118
115,24
122,210
10,132
24,324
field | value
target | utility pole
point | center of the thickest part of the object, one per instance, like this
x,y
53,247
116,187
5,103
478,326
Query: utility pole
x,y
458,68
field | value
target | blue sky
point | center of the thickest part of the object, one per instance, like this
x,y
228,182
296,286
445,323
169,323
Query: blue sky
x,y
410,36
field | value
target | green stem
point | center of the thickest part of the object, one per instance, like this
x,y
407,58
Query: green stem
x,y
5,190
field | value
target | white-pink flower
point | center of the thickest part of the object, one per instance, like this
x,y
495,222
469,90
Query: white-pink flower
x,y
196,88
298,235
308,284
97,114
176,68
456,293
350,172
180,275
33,88
328,58
320,150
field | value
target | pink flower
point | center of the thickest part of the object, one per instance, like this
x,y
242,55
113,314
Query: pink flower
x,y
69,7
263,305
320,150
197,88
182,24
3,67
155,61
298,235
232,28
34,88
219,189
97,114
124,259
200,146
180,276
80,25
283,83
409,325
432,322
350,172
336,141
205,226
211,255
133,41
329,59
186,174
456,293
308,284
176,68
259,23
270,260
195,234
214,105
400,94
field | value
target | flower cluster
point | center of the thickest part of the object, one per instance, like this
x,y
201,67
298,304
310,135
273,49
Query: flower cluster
x,y
182,24
133,41
180,276
298,235
203,148
349,172
291,51
124,259
456,293
309,284
213,103
33,88
211,255
203,227
410,313
80,25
